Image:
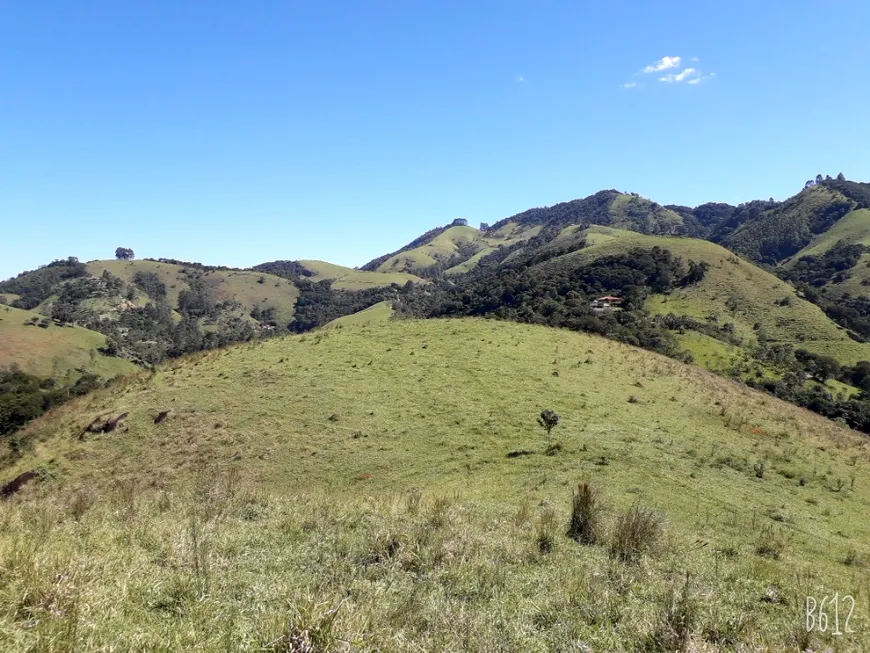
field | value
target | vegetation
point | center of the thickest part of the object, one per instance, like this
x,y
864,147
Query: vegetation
x,y
252,520
35,287
41,347
548,420
24,397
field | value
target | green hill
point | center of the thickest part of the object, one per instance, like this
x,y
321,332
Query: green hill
x,y
777,231
734,290
377,313
453,249
345,278
396,474
64,353
243,286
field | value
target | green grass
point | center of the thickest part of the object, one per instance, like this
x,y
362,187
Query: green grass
x,y
853,228
240,285
446,244
56,351
380,312
331,433
736,291
710,353
625,208
344,278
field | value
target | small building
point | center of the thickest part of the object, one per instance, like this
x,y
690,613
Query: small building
x,y
607,303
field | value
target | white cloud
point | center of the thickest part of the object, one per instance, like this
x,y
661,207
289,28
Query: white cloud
x,y
679,77
698,80
665,63
628,85
520,78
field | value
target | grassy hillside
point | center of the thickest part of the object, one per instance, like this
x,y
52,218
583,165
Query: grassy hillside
x,y
457,249
439,249
851,229
57,351
378,313
249,514
241,285
345,278
854,227
776,231
736,291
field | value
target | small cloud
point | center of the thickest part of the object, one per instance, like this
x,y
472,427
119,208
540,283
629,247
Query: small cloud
x,y
665,63
628,85
520,78
679,77
698,80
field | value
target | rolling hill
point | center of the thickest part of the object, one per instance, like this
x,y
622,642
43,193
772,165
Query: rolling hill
x,y
251,289
344,278
733,290
387,485
63,353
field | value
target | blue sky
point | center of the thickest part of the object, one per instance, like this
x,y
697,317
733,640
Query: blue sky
x,y
236,133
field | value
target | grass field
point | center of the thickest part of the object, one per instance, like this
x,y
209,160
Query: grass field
x,y
344,278
378,313
395,473
243,286
56,351
736,291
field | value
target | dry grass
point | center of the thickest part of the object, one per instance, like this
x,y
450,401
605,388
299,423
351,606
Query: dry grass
x,y
408,508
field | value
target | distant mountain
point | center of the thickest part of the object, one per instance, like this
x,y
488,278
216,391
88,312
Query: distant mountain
x,y
687,291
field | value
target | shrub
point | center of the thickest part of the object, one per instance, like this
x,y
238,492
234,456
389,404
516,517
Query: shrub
x,y
548,420
636,532
678,614
585,514
545,537
769,544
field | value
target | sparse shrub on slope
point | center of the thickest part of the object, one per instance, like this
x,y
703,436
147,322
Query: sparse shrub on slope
x,y
586,512
635,534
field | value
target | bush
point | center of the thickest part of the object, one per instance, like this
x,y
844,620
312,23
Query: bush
x,y
678,615
585,515
636,533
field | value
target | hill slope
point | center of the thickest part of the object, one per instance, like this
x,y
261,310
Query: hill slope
x,y
243,286
736,291
448,406
345,278
64,353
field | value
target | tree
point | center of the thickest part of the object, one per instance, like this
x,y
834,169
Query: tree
x,y
841,177
484,226
548,420
124,254
809,184
819,179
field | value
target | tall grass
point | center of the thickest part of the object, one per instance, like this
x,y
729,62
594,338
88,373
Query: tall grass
x,y
217,565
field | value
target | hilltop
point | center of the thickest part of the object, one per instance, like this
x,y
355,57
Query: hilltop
x,y
398,470
768,292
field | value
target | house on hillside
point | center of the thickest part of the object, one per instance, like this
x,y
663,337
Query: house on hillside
x,y
607,303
